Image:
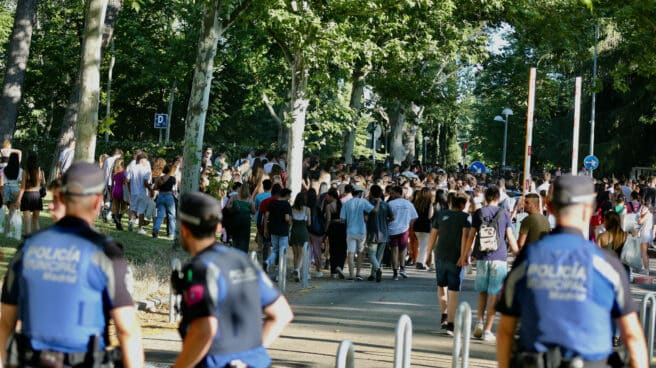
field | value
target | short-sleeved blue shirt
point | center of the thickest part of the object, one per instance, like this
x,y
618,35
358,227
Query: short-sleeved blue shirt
x,y
353,212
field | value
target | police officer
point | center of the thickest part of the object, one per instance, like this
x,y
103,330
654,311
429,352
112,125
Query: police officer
x,y
565,293
65,283
224,296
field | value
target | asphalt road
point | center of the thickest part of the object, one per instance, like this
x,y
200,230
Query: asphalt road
x,y
365,313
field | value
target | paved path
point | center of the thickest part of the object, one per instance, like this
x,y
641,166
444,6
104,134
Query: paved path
x,y
365,313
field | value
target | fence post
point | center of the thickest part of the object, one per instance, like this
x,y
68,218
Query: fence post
x,y
648,323
176,265
461,336
345,355
305,267
403,342
282,269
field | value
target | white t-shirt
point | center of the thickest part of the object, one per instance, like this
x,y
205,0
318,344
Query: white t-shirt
x,y
543,186
66,158
404,212
137,175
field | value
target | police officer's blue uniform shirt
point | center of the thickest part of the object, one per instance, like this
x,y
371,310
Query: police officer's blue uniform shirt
x,y
64,281
565,292
224,283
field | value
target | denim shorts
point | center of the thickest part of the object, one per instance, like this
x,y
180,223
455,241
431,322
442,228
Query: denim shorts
x,y
490,276
448,274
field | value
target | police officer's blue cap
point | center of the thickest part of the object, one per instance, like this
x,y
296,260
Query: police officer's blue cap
x,y
83,178
198,208
571,190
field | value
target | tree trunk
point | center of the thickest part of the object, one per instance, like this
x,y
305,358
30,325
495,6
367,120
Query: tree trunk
x,y
438,127
87,125
18,55
210,33
67,130
296,142
410,139
397,121
357,93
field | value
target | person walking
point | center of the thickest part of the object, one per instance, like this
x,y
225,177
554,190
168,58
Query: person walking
x,y
119,193
29,196
492,227
353,212
336,234
377,231
449,234
65,284
277,219
404,216
561,292
317,230
299,232
423,203
225,295
241,209
535,225
12,176
164,185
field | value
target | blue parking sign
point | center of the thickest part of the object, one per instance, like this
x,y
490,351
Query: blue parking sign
x,y
161,121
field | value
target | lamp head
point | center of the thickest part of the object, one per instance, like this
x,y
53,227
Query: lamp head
x,y
499,119
507,111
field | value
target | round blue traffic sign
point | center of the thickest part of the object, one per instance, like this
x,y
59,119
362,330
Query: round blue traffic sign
x,y
477,167
591,162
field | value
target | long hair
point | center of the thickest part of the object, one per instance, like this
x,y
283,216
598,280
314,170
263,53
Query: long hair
x,y
613,225
118,166
311,198
32,170
158,167
299,201
423,200
11,170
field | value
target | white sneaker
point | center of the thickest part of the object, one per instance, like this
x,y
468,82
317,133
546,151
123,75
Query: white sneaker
x,y
478,331
489,336
141,231
317,274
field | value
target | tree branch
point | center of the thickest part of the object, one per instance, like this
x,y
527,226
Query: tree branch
x,y
236,12
269,106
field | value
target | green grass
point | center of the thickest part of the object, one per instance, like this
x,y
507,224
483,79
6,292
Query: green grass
x,y
149,258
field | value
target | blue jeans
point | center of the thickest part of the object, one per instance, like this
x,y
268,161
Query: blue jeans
x,y
278,244
376,251
165,204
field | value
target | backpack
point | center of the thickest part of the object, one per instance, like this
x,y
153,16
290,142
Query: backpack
x,y
318,222
488,234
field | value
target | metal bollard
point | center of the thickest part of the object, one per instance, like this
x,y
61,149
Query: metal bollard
x,y
648,323
282,270
305,268
461,336
345,355
176,265
253,255
403,342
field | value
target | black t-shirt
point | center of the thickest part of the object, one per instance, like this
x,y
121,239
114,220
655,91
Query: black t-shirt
x,y
277,211
450,225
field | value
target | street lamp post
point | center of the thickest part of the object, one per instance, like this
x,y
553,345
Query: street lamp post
x,y
498,118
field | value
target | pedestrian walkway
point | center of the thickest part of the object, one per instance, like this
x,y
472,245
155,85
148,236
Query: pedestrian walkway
x,y
365,313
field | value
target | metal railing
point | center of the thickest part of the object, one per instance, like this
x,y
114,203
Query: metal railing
x,y
174,299
282,269
305,267
648,323
461,336
403,342
345,355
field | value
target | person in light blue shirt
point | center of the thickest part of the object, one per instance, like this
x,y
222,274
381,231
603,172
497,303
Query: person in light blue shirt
x,y
353,212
